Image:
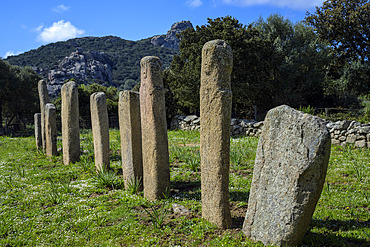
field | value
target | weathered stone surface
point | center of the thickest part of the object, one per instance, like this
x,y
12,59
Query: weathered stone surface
x,y
82,66
44,99
70,123
335,142
360,143
154,129
50,130
170,40
351,138
190,118
215,115
130,130
100,129
289,173
38,138
342,138
363,130
341,125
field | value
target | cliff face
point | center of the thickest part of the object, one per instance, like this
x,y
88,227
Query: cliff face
x,y
83,67
170,40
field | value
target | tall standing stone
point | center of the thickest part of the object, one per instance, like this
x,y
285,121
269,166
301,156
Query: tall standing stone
x,y
100,129
215,116
50,130
70,123
38,138
156,167
44,99
130,130
289,173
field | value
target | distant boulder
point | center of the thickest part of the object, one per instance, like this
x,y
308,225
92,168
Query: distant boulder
x,y
170,40
89,66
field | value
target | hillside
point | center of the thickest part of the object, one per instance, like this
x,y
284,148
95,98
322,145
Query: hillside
x,y
125,55
110,60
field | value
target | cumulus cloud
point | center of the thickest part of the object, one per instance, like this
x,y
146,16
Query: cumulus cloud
x,y
11,53
61,8
194,3
59,31
295,4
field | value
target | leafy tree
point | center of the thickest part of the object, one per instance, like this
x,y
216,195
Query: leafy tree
x,y
248,54
18,92
299,62
5,78
84,93
345,25
274,62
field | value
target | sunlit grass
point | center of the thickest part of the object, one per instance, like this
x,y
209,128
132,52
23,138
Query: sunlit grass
x,y
46,203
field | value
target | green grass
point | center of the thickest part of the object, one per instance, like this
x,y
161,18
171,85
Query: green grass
x,y
46,203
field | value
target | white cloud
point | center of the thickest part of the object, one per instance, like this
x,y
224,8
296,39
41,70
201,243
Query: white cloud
x,y
294,4
61,8
11,53
194,3
39,28
59,31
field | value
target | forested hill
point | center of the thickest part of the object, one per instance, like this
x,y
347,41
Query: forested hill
x,y
124,56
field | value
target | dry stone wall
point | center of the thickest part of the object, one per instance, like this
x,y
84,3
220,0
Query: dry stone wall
x,y
192,122
342,132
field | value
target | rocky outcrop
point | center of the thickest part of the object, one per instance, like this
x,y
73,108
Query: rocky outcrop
x,y
170,40
91,66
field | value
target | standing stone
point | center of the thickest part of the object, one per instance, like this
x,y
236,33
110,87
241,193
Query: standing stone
x,y
44,99
215,116
156,167
130,130
70,123
37,122
50,130
289,173
100,128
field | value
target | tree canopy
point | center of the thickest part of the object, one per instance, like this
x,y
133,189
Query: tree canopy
x,y
84,93
18,92
274,62
345,25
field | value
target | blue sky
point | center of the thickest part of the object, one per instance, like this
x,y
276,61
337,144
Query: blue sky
x,y
26,25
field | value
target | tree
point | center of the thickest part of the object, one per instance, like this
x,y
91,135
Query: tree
x,y
345,25
84,93
249,55
18,92
5,78
274,62
299,62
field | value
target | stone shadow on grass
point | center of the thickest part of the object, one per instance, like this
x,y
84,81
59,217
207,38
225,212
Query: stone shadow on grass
x,y
331,239
337,225
186,189
237,196
329,236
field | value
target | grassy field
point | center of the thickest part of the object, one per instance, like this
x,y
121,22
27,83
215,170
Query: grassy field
x,y
45,203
